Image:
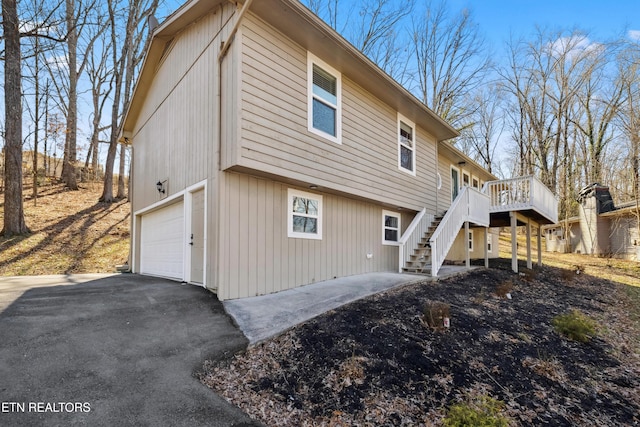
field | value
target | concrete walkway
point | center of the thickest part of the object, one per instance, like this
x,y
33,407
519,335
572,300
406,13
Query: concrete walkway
x,y
269,315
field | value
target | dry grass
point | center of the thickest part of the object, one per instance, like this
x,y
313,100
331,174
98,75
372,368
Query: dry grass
x,y
616,270
70,233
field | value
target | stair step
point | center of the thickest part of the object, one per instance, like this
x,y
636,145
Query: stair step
x,y
418,263
425,270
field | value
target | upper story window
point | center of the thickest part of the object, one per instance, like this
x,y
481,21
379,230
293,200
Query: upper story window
x,y
304,215
324,98
475,183
406,145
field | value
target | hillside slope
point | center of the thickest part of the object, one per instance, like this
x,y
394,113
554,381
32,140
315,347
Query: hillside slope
x,y
70,233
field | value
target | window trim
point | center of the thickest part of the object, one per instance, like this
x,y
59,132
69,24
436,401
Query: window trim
x,y
291,193
468,176
470,240
384,228
311,61
451,180
489,243
403,119
477,180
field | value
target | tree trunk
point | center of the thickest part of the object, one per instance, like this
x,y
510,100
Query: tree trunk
x,y
70,151
121,171
14,222
34,192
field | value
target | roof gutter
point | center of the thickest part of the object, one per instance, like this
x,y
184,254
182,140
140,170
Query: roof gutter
x,y
227,44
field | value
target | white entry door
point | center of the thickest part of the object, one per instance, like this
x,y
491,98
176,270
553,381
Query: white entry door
x,y
197,237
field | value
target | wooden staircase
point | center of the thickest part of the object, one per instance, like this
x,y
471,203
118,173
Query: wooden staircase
x,y
420,261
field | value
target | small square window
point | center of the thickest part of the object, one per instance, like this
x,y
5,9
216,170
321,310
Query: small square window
x,y
304,215
390,228
465,179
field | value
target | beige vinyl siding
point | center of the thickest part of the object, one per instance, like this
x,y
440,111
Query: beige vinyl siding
x,y
275,138
625,239
175,135
257,257
458,249
444,193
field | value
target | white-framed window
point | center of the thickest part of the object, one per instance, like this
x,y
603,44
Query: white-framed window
x,y
475,183
324,99
304,215
470,240
390,228
466,179
490,242
406,145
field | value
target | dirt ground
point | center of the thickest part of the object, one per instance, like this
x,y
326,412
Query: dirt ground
x,y
376,363
71,232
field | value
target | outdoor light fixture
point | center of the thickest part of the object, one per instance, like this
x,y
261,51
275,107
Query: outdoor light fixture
x,y
462,163
160,187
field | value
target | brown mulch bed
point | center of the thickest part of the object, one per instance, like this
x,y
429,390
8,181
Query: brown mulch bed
x,y
376,363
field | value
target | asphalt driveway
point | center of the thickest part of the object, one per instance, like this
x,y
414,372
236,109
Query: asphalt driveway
x,y
120,350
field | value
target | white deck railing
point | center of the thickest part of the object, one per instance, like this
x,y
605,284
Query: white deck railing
x,y
412,235
522,193
470,206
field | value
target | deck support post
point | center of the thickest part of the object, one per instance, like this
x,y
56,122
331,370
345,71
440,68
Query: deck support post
x,y
466,239
514,241
529,263
486,247
539,246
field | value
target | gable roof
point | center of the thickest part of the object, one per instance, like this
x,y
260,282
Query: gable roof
x,y
298,23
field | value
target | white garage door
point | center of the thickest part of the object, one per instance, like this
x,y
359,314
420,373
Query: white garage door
x,y
162,242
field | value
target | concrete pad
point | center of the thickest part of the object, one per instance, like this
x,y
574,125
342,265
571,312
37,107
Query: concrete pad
x,y
118,351
265,316
12,287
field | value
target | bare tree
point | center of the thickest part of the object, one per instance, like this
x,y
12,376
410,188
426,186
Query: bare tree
x,y
546,77
601,98
100,73
481,140
14,222
374,27
127,54
451,61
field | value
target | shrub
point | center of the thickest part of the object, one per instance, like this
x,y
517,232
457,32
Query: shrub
x,y
575,325
434,314
482,411
504,288
570,274
528,275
